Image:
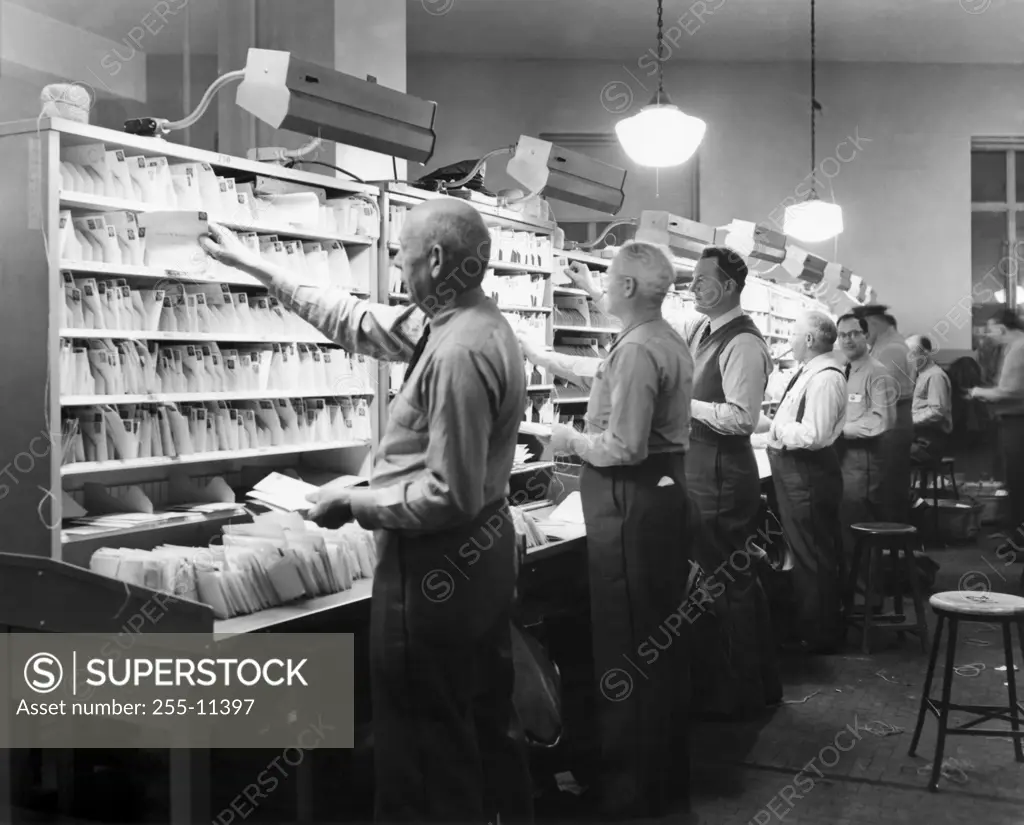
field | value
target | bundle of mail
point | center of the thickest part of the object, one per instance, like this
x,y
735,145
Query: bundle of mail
x,y
169,241
99,366
275,560
513,290
138,431
155,182
174,306
510,246
527,528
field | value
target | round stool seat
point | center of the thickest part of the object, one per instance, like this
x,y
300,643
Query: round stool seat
x,y
883,528
977,604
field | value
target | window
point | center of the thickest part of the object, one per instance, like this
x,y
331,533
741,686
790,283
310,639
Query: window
x,y
997,227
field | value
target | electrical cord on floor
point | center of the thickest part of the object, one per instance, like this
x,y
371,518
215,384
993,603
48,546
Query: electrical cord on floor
x,y
294,163
971,671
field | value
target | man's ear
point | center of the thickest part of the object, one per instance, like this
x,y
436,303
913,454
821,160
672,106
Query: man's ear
x,y
435,261
629,286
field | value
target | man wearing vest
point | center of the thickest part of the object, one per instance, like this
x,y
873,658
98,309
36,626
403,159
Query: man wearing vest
x,y
808,484
731,368
888,347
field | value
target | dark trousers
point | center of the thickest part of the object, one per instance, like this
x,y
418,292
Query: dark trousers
x,y
1011,446
446,741
808,490
895,448
863,470
725,485
928,448
638,562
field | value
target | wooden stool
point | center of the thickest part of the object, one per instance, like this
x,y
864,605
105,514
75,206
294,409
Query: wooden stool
x,y
958,606
873,539
936,474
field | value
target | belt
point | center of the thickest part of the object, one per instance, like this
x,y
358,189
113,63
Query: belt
x,y
798,453
478,520
855,443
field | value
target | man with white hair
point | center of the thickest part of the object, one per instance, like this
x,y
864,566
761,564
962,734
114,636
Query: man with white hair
x,y
441,672
808,483
633,487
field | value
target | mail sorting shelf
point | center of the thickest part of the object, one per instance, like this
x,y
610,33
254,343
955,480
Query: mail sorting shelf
x,y
30,157
398,196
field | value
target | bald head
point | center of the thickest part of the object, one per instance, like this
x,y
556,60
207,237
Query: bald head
x,y
445,250
650,270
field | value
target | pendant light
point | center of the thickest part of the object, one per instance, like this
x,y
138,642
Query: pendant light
x,y
660,134
813,220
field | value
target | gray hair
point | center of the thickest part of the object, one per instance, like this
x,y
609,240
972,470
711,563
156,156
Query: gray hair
x,y
651,267
823,331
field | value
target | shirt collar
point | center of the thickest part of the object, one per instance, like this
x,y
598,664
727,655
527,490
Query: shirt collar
x,y
725,318
471,298
820,362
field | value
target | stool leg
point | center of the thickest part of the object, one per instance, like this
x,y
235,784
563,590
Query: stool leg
x,y
952,481
935,506
947,690
920,613
850,593
869,598
1011,683
926,692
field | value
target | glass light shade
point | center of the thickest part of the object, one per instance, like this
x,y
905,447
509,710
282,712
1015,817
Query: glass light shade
x,y
660,135
813,221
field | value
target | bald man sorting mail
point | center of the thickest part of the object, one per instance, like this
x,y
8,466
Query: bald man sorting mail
x,y
441,672
889,348
634,503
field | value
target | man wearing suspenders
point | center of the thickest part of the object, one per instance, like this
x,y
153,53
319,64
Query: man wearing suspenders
x,y
808,484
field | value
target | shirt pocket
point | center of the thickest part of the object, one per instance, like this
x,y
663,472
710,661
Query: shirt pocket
x,y
406,419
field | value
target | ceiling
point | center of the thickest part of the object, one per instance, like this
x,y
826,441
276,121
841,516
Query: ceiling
x,y
917,31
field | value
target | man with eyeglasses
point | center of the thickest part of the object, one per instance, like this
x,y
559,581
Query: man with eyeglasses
x,y
870,411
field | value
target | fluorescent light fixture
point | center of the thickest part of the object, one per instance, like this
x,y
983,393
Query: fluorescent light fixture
x,y
287,93
685,238
813,221
563,175
660,135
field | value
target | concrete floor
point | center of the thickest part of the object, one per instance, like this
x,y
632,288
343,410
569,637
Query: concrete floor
x,y
748,773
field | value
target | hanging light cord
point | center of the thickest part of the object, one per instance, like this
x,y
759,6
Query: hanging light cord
x,y
814,107
661,54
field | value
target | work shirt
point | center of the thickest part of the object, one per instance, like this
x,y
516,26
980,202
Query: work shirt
x,y
933,399
450,440
870,399
892,352
1011,378
640,400
745,364
823,392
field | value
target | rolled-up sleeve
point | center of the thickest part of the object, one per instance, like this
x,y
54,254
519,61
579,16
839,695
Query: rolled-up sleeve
x,y
745,365
449,490
632,374
359,326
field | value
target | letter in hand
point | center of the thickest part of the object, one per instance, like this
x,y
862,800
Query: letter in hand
x,y
582,278
332,506
222,245
529,350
